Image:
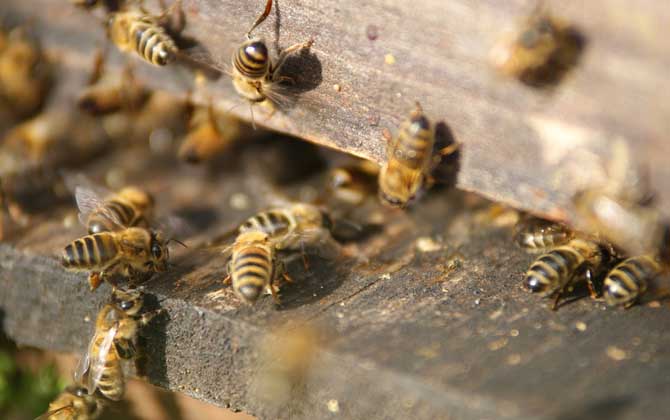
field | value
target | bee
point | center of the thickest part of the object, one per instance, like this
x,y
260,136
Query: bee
x,y
131,206
627,281
74,403
255,75
353,184
541,52
254,267
537,235
149,36
293,226
26,75
210,135
114,341
554,273
409,161
109,5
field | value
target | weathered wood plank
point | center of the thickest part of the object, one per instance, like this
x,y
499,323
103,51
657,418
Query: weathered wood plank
x,y
529,149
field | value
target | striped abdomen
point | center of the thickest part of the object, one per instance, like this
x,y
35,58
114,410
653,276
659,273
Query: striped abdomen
x,y
413,147
111,383
628,280
91,251
126,214
538,238
152,42
251,60
251,270
276,223
551,271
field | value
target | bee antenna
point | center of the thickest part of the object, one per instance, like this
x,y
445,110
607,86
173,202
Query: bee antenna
x,y
177,241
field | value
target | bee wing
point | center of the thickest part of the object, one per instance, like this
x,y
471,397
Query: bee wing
x,y
48,414
88,202
82,367
97,365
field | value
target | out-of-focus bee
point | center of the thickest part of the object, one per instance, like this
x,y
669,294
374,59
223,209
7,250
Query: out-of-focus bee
x,y
627,281
254,267
109,5
537,235
149,36
210,134
554,273
74,403
353,184
541,52
409,161
25,73
255,75
108,94
114,341
293,226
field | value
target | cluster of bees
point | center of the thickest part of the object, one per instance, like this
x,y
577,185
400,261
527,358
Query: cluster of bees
x,y
125,237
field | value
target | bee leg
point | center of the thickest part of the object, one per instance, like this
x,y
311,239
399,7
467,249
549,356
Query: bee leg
x,y
274,291
588,275
125,348
557,298
94,280
274,69
146,317
287,278
228,280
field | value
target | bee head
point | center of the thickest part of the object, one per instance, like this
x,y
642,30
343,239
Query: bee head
x,y
159,252
536,32
128,301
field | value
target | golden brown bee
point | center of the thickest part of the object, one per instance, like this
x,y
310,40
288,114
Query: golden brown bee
x,y
541,52
537,235
353,184
131,207
74,403
210,135
254,267
255,75
409,161
114,340
292,227
627,281
554,273
147,35
25,73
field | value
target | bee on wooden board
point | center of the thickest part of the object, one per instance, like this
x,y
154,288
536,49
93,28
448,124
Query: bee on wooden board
x,y
107,94
537,235
627,281
409,161
74,403
25,72
113,342
353,184
116,247
256,76
149,36
210,134
556,272
254,267
540,53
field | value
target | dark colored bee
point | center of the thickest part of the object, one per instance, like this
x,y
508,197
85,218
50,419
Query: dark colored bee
x,y
626,282
537,235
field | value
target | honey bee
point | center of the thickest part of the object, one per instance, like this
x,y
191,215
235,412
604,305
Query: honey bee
x,y
25,73
109,5
537,235
554,273
541,52
254,267
210,135
255,75
131,207
114,341
353,184
409,161
149,36
627,281
74,403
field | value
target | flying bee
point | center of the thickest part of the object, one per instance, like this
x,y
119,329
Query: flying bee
x,y
409,161
149,36
254,267
554,273
353,184
627,281
541,52
74,403
536,235
255,75
114,341
210,134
